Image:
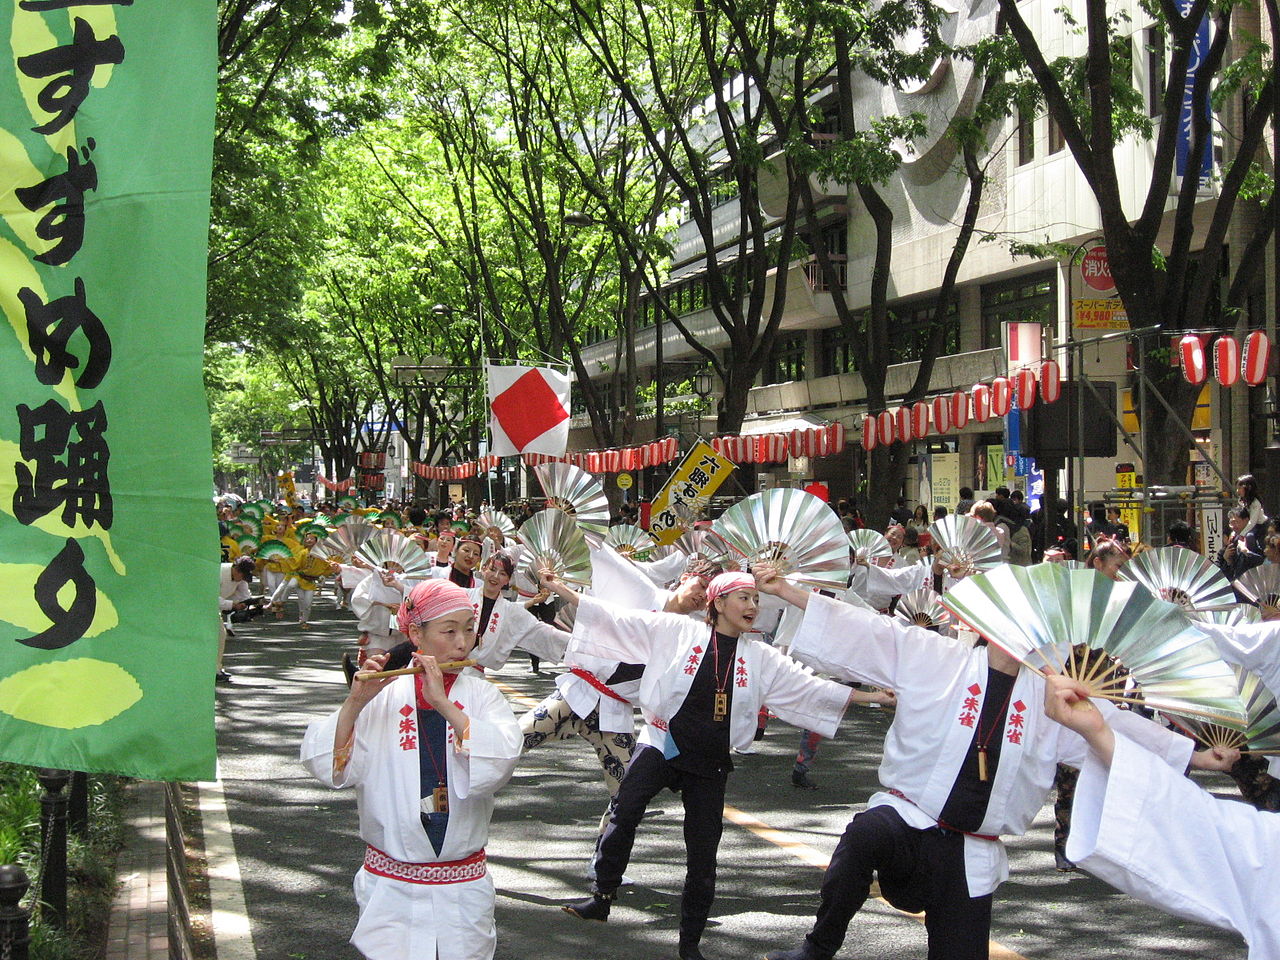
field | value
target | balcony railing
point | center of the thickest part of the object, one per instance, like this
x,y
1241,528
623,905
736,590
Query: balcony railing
x,y
817,281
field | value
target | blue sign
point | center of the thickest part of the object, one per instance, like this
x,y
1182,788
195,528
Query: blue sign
x,y
1199,49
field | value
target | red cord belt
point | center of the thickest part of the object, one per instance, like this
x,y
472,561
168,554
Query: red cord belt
x,y
596,682
448,871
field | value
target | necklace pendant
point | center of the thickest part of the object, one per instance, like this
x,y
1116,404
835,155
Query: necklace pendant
x,y
721,708
440,799
982,764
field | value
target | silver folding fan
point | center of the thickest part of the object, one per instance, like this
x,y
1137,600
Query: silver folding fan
x,y
967,543
869,545
702,543
1260,733
553,541
792,529
1261,585
629,540
1236,615
390,549
345,541
494,524
1107,634
1180,576
577,494
922,608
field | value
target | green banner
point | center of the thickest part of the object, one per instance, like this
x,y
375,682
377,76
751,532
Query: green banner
x,y
108,543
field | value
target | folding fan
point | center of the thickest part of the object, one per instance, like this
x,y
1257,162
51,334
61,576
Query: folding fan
x,y
252,526
629,540
552,540
577,494
1046,617
922,608
702,543
792,529
869,545
346,541
248,543
389,549
252,510
313,529
1238,614
967,543
274,550
1180,576
1260,733
1261,585
348,502
495,523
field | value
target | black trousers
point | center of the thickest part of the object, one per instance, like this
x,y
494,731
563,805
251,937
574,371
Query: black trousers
x,y
918,870
648,774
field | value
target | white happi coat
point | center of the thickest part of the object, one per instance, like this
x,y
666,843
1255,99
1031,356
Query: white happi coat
x,y
510,626
367,604
414,921
941,683
1256,647
672,646
350,576
1159,837
661,572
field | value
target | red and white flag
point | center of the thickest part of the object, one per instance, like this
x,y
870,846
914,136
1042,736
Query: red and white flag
x,y
529,410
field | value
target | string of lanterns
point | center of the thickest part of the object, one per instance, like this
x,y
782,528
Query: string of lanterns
x,y
950,412
1230,364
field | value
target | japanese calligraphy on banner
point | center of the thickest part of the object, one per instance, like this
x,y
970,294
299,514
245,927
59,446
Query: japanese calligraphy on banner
x,y
108,553
698,477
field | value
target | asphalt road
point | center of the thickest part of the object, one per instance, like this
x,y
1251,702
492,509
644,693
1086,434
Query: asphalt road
x,y
297,845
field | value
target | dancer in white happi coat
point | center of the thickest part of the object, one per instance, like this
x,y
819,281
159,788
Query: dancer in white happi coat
x,y
701,691
425,755
502,625
969,758
1256,647
1157,836
374,602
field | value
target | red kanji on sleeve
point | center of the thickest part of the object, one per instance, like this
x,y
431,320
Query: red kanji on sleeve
x,y
1014,736
407,726
967,719
408,743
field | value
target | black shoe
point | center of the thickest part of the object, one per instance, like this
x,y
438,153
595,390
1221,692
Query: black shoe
x,y
690,951
1062,863
595,907
800,780
348,669
222,677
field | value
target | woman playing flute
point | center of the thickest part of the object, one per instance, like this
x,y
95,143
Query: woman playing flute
x,y
425,754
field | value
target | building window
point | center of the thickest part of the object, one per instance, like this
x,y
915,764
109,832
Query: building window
x,y
787,360
1155,71
835,352
1056,140
1028,299
1026,136
912,323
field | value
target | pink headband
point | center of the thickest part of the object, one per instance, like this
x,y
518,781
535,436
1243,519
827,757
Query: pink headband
x,y
726,582
431,600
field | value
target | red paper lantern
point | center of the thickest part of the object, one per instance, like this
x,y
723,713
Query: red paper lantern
x,y
800,442
919,420
959,409
670,449
981,395
941,414
1001,396
886,434
1257,358
1050,381
1191,351
1226,361
902,423
835,437
869,432
1025,388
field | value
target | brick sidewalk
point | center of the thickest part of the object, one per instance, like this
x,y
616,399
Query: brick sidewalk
x,y
140,914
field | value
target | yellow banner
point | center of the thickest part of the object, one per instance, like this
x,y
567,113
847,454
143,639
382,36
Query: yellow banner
x,y
698,477
1099,314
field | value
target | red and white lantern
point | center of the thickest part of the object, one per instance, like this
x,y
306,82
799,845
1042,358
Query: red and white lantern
x,y
1257,358
670,449
835,437
869,424
1001,396
1050,381
1226,361
981,396
800,442
902,423
942,414
1191,352
959,404
919,420
887,433
771,448
1024,382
